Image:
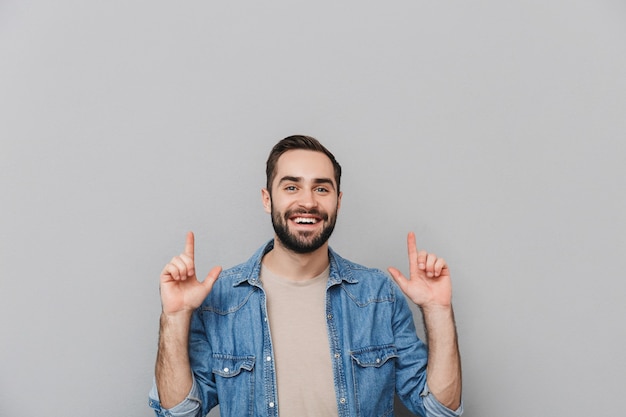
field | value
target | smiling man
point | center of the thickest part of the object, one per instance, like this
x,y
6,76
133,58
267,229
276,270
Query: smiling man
x,y
297,330
303,206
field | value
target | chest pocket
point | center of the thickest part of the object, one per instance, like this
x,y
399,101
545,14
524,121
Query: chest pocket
x,y
374,379
234,374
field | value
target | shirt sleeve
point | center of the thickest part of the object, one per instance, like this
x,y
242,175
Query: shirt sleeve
x,y
412,366
435,409
189,407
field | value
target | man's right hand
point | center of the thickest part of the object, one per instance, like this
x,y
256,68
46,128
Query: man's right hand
x,y
181,292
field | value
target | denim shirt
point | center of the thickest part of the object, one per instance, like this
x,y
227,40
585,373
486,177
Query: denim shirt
x,y
374,347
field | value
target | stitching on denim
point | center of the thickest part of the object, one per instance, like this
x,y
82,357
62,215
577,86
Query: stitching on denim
x,y
233,309
387,299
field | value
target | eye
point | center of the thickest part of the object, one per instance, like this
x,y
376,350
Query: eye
x,y
290,188
321,190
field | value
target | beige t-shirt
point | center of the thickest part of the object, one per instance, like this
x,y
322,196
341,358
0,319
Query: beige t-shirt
x,y
297,317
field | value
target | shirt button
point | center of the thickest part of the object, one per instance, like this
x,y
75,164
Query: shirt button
x,y
342,400
226,369
377,360
330,317
337,355
269,358
271,405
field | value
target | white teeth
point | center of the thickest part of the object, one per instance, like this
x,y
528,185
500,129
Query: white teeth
x,y
305,220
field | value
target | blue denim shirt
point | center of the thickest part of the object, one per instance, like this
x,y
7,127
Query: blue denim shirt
x,y
374,347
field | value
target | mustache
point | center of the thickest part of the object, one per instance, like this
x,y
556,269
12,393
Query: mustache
x,y
312,212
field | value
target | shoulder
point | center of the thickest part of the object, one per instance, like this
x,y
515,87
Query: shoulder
x,y
350,270
363,283
235,285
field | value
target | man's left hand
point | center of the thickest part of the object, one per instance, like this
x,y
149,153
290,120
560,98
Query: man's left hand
x,y
429,284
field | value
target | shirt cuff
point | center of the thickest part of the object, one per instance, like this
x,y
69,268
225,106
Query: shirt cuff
x,y
187,408
435,409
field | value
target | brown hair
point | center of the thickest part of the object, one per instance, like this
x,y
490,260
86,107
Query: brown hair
x,y
298,142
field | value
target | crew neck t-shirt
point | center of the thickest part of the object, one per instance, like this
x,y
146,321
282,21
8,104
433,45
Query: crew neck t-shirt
x,y
297,318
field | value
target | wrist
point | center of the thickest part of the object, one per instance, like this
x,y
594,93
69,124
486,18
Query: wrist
x,y
177,316
175,325
437,309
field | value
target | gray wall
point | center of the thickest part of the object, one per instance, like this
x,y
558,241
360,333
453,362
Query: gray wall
x,y
492,129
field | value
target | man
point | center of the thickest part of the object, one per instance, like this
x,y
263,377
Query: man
x,y
299,331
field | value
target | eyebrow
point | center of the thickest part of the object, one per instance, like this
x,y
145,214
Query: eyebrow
x,y
288,178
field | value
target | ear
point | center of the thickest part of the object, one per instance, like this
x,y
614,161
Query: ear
x,y
339,200
267,200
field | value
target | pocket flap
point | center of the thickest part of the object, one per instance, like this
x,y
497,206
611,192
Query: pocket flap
x,y
229,366
374,356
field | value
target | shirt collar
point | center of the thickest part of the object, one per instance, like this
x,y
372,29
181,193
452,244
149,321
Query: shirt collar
x,y
338,269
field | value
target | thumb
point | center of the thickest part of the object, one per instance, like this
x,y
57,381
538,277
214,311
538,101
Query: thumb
x,y
212,277
398,278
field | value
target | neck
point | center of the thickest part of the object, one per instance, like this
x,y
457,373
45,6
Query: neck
x,y
296,266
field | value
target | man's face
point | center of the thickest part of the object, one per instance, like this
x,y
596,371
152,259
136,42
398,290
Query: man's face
x,y
303,201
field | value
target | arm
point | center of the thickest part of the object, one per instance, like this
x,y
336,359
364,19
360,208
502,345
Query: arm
x,y
444,361
181,294
430,288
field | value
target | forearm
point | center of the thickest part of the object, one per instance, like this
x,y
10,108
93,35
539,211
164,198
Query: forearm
x,y
444,362
172,371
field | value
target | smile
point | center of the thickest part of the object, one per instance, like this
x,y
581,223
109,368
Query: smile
x,y
305,220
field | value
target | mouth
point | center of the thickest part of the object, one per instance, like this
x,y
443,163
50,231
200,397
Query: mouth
x,y
305,219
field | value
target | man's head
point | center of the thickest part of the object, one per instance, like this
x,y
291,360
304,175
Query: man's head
x,y
302,193
298,142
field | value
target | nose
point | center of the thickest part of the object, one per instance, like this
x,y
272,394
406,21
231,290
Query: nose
x,y
307,199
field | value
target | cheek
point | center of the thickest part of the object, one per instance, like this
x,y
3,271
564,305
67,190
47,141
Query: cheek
x,y
333,207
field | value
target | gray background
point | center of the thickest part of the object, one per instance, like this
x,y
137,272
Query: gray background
x,y
492,129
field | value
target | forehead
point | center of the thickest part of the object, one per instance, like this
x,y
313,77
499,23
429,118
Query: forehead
x,y
305,164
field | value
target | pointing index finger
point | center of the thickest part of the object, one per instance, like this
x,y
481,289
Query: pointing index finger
x,y
189,245
412,249
417,259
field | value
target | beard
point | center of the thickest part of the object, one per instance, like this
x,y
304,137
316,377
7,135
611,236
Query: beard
x,y
303,242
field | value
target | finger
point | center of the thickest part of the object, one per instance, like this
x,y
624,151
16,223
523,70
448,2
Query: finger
x,y
415,257
440,265
211,277
398,278
431,258
165,274
189,264
180,266
190,245
171,271
422,260
412,250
